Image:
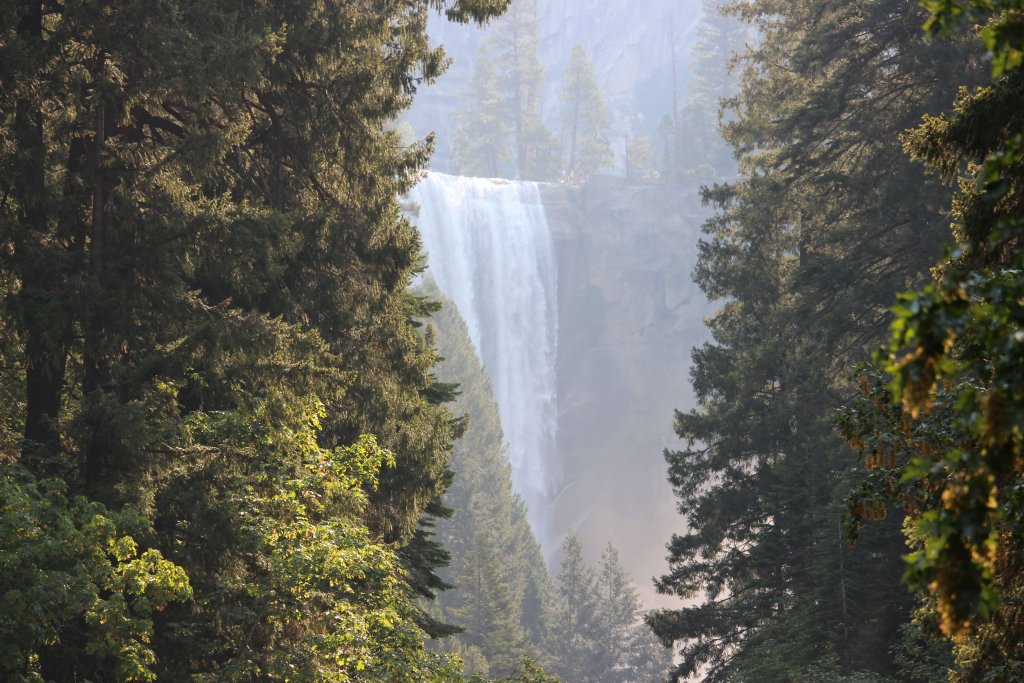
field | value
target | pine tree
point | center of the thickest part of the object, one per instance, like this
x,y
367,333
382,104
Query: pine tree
x,y
495,557
576,654
207,284
640,159
585,122
628,651
825,223
482,137
938,433
699,148
487,611
512,48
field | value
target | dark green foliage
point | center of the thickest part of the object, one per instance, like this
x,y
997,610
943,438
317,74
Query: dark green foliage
x,y
502,596
827,220
955,364
205,271
505,100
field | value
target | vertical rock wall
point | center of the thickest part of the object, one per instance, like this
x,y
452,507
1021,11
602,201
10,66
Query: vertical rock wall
x,y
629,315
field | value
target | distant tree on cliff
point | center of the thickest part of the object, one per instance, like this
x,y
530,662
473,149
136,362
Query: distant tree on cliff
x,y
482,143
512,65
585,122
640,163
698,148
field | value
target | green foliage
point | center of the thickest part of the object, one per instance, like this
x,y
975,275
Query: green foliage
x,y
696,148
577,621
827,219
73,579
528,672
640,159
922,655
501,598
585,122
627,650
1002,28
589,628
955,364
601,636
508,65
302,556
205,277
483,133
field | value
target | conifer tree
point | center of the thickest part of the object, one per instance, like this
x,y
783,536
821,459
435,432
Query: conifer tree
x,y
502,600
510,50
577,654
483,132
827,221
938,437
699,149
627,650
206,286
584,117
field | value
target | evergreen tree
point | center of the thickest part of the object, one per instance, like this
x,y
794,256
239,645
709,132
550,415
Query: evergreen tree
x,y
627,649
584,117
600,636
502,599
483,132
206,308
826,221
948,447
577,657
640,159
699,149
486,609
510,49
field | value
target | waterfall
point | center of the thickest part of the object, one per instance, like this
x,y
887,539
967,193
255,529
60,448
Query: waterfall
x,y
490,251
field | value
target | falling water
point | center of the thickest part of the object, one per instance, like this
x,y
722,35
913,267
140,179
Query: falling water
x,y
490,250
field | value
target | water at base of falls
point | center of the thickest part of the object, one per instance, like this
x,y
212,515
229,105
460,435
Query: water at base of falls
x,y
489,248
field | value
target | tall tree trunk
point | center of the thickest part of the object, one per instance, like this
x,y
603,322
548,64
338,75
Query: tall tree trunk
x,y
44,367
93,352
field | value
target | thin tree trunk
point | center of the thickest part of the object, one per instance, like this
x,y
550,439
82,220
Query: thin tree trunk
x,y
44,355
92,355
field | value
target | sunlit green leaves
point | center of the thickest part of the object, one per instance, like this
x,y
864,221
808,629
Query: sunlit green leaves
x,y
62,559
956,351
1001,21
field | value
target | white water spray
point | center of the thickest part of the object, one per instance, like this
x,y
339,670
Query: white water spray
x,y
490,250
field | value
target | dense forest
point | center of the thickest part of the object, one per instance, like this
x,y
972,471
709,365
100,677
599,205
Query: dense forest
x,y
244,435
810,464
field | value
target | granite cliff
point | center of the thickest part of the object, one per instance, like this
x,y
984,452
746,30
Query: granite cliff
x,y
629,314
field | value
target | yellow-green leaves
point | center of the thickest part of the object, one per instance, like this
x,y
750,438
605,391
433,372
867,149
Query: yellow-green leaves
x,y
67,559
1001,21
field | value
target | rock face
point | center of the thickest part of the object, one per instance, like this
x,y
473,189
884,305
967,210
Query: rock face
x,y
629,314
